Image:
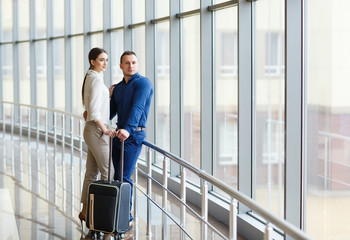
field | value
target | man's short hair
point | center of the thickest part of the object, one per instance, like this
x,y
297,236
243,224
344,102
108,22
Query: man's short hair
x,y
127,53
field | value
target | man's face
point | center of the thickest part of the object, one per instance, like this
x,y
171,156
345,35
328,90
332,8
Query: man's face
x,y
129,65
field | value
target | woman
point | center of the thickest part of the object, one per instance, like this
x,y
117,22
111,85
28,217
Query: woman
x,y
95,97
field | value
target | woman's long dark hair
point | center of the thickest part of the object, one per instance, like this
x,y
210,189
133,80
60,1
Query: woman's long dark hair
x,y
93,55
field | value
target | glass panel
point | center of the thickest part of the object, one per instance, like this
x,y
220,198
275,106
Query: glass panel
x,y
23,19
41,73
269,109
190,61
58,17
188,5
225,165
117,50
117,16
78,72
78,19
97,40
7,71
162,9
40,18
96,18
139,48
24,73
58,74
139,11
6,20
219,1
328,119
162,95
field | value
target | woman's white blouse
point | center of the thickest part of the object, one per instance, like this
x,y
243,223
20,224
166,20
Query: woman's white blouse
x,y
96,97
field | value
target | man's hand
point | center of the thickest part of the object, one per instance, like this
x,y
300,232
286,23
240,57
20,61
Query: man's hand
x,y
85,115
111,90
122,134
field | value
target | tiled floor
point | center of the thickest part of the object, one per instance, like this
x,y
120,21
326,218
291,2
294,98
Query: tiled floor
x,y
44,187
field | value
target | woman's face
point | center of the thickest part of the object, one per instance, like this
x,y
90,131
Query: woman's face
x,y
100,63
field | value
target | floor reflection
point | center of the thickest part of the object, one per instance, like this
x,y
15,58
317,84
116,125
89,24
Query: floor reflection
x,y
44,183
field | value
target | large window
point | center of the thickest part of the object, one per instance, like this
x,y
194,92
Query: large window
x,y
139,48
77,25
23,19
41,73
78,73
162,95
6,21
40,18
58,18
269,106
7,71
226,82
58,74
24,73
117,13
188,5
96,15
191,90
139,11
328,120
117,49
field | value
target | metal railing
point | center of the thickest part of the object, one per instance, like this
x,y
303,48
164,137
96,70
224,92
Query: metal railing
x,y
71,135
235,195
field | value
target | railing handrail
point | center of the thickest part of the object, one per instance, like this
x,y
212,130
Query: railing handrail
x,y
334,135
43,108
285,226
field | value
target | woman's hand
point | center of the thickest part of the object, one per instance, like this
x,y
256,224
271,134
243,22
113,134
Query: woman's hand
x,y
111,90
110,133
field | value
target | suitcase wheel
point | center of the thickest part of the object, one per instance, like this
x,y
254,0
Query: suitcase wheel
x,y
119,236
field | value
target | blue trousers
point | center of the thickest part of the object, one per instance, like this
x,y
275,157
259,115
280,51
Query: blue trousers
x,y
132,150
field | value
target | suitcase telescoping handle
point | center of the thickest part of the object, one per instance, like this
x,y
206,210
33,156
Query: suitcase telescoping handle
x,y
121,160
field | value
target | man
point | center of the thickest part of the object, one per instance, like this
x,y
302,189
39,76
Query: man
x,y
130,101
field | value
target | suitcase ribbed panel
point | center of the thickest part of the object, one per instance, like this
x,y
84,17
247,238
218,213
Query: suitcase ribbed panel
x,y
123,212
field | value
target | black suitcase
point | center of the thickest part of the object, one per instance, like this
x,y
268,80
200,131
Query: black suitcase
x,y
109,202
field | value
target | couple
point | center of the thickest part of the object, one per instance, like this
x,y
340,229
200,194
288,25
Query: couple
x,y
130,100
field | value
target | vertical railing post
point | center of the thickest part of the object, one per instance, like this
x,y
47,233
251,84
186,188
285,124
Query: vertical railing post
x,y
3,136
3,121
37,128
81,152
12,121
149,192
204,210
20,123
12,151
55,133
268,232
183,199
165,197
72,140
136,182
64,182
325,164
72,185
46,131
233,219
29,125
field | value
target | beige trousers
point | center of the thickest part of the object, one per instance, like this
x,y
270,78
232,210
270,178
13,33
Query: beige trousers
x,y
97,157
